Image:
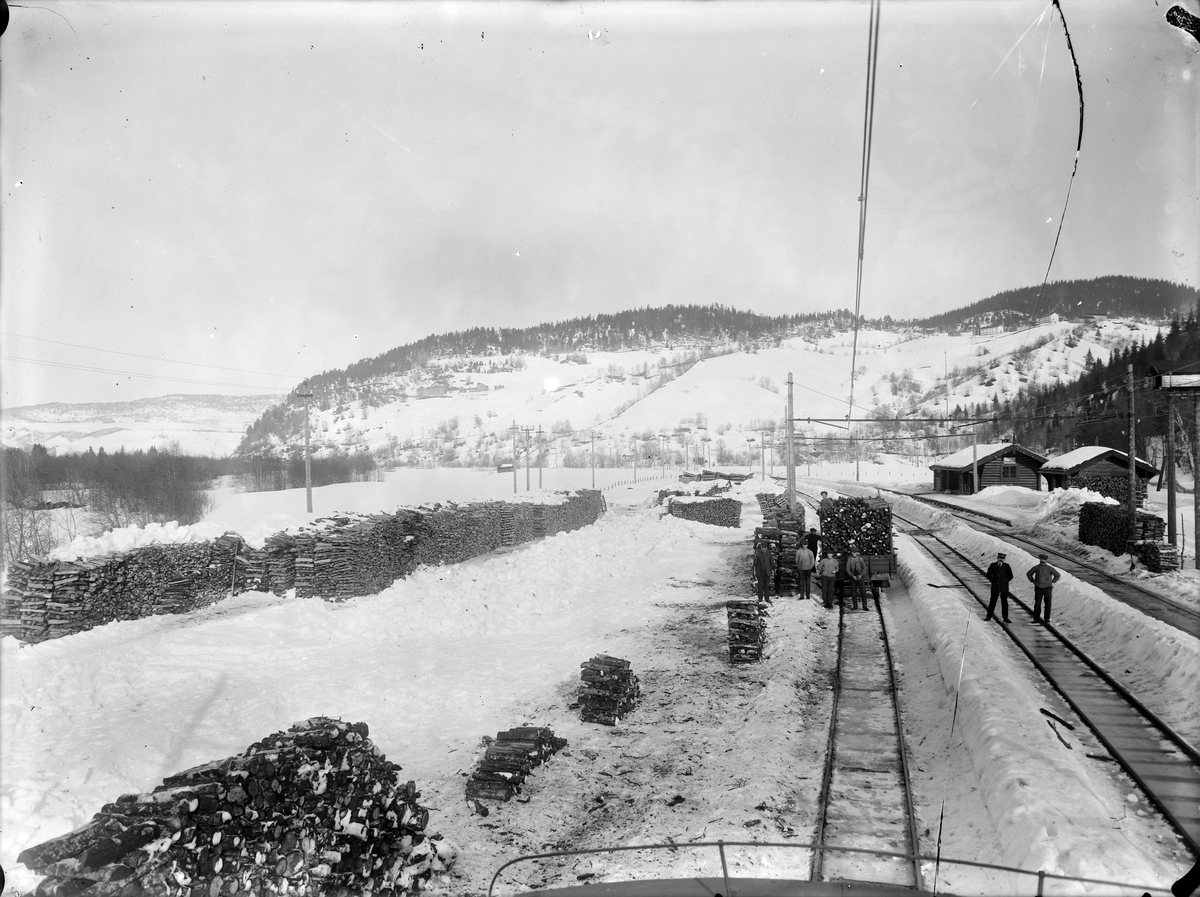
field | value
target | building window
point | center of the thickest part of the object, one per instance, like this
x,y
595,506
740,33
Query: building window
x,y
1008,469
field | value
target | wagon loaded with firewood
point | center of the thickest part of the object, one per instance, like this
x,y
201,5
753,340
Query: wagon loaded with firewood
x,y
865,523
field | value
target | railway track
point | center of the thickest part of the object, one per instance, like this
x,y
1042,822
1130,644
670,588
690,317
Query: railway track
x,y
1164,764
866,800
1185,619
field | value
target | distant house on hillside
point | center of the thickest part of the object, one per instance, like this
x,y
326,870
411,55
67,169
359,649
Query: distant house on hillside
x,y
999,464
480,387
432,391
1099,468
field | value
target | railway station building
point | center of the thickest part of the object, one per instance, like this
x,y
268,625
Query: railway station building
x,y
999,464
1099,468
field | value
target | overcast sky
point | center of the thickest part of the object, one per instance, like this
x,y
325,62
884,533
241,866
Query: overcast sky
x,y
266,190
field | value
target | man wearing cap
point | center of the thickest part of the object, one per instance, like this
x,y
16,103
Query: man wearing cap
x,y
764,571
999,575
1043,577
827,569
857,571
812,539
805,561
826,503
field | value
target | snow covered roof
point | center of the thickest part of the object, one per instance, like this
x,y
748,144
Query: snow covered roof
x,y
1072,461
967,456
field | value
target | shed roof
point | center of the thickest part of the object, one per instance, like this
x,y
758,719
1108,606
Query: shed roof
x,y
1074,461
961,460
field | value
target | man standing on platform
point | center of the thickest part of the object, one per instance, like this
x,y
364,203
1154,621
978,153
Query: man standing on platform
x,y
999,574
1043,577
805,561
826,502
827,569
764,571
858,573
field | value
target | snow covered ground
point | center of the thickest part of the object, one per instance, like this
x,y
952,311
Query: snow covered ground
x,y
452,654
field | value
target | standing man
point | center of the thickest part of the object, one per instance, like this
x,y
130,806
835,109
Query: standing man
x,y
812,539
826,502
1043,577
764,571
999,575
805,561
856,570
827,569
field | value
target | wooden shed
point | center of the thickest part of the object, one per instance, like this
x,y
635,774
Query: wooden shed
x,y
1000,464
1099,468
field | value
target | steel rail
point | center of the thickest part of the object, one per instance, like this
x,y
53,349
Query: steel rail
x,y
1161,607
1170,806
905,781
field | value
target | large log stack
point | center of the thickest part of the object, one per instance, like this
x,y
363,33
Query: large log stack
x,y
867,522
1107,526
313,810
713,511
609,691
508,760
747,629
1159,557
333,558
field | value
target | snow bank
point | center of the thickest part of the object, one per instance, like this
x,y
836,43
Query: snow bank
x,y
1038,794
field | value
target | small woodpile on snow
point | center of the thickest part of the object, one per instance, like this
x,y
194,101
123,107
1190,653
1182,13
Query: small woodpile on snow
x,y
609,691
747,629
1107,526
867,522
313,810
509,759
713,511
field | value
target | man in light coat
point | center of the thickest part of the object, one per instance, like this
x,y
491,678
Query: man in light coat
x,y
827,569
1043,577
858,573
805,561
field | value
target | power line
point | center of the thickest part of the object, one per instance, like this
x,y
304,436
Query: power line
x,y
149,357
81,367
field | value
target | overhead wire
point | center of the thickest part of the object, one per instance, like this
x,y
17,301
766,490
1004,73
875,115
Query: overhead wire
x,y
163,377
864,180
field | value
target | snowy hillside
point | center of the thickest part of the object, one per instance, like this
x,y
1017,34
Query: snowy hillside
x,y
200,424
714,404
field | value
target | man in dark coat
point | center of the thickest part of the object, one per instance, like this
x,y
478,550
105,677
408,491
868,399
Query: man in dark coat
x,y
826,501
857,572
999,574
764,571
812,539
1043,577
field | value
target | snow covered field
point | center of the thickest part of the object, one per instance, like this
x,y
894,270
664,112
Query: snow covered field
x,y
452,654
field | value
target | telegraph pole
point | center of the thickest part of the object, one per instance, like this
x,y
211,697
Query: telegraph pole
x,y
791,445
514,464
593,460
1133,527
539,432
307,453
1172,535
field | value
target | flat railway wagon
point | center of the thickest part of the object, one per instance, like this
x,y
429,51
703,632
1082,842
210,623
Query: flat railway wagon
x,y
866,523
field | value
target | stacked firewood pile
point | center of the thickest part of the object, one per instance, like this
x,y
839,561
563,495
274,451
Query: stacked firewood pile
x,y
714,511
747,630
313,810
1159,557
783,537
334,558
1107,526
509,759
1110,487
609,691
867,522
